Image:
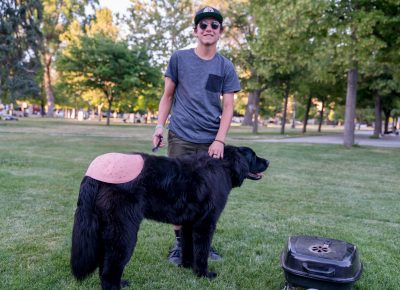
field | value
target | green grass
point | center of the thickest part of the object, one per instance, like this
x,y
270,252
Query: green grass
x,y
325,190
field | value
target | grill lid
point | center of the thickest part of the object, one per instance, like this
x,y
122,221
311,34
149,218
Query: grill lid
x,y
321,258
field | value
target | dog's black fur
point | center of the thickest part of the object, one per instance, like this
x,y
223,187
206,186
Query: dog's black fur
x,y
190,191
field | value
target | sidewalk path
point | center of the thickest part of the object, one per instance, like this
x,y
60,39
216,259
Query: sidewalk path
x,y
362,138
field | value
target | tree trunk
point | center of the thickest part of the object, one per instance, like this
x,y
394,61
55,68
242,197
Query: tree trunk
x,y
351,98
294,113
47,84
387,117
321,116
285,110
378,116
256,110
109,111
307,113
42,108
99,113
250,109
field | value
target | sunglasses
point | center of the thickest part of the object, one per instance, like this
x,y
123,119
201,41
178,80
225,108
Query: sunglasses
x,y
214,25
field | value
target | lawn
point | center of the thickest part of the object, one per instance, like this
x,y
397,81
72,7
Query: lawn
x,y
324,190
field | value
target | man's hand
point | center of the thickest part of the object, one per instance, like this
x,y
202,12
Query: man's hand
x,y
158,138
216,149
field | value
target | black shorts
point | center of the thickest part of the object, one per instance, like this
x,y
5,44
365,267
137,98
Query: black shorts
x,y
178,147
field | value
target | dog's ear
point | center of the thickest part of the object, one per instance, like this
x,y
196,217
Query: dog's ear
x,y
249,155
247,152
238,164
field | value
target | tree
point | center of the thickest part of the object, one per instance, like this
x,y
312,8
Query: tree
x,y
351,35
69,86
19,48
325,87
284,46
57,16
102,63
380,89
389,103
241,35
102,24
161,27
380,75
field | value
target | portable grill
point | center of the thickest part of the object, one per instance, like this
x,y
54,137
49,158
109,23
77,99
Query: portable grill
x,y
320,263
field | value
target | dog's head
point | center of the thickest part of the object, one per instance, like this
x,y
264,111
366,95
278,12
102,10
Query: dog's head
x,y
244,163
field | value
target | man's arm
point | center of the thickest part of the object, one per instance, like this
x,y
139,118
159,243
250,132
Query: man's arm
x,y
216,149
164,109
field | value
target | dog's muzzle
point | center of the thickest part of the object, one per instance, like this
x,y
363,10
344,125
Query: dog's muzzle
x,y
254,176
259,174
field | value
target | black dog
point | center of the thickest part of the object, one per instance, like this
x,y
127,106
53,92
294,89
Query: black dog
x,y
190,191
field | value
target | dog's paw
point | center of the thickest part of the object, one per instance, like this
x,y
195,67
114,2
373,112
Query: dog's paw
x,y
124,283
209,275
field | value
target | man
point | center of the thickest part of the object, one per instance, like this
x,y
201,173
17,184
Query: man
x,y
195,80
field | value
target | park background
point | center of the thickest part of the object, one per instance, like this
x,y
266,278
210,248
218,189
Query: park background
x,y
83,81
299,62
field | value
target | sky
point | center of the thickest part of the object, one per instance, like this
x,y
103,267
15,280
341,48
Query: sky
x,y
116,6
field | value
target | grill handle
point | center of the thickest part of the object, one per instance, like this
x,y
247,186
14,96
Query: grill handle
x,y
328,272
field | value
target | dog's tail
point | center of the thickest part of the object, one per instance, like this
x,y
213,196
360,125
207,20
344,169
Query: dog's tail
x,y
85,234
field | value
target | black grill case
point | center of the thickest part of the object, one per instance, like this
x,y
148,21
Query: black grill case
x,y
320,263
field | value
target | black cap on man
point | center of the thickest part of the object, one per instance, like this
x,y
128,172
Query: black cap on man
x,y
208,12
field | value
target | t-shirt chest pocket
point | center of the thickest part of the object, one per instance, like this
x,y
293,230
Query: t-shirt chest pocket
x,y
214,83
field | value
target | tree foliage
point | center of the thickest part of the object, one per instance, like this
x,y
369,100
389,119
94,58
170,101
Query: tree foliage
x,y
57,17
20,37
103,24
240,36
282,49
69,89
161,27
111,66
309,45
353,35
285,43
380,80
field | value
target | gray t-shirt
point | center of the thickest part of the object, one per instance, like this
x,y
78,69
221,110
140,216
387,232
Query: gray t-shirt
x,y
196,109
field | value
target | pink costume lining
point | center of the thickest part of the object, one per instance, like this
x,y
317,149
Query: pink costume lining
x,y
115,167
